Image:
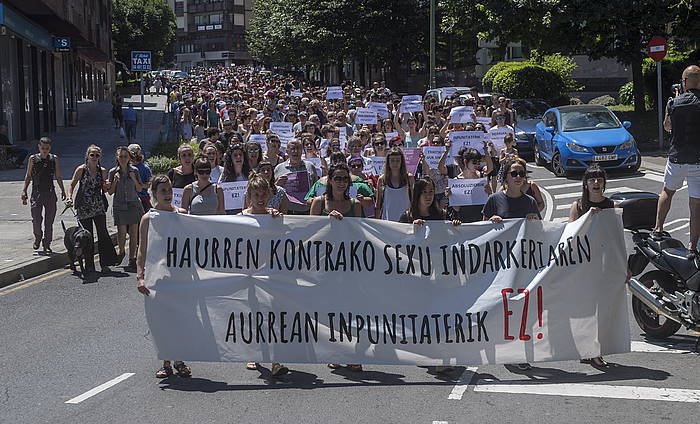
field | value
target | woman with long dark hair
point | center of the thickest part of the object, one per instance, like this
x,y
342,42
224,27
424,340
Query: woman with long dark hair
x,y
424,205
394,187
236,164
471,167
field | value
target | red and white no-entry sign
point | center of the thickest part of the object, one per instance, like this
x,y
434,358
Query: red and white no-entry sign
x,y
657,48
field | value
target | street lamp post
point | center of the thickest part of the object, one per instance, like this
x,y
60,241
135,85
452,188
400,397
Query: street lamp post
x,y
432,44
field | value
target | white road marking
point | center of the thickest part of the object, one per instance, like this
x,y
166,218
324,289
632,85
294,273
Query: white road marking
x,y
594,391
654,177
567,185
548,204
682,227
102,387
652,348
563,207
578,193
561,220
676,221
440,422
463,383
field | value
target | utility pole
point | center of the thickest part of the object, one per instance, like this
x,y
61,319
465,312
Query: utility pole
x,y
432,44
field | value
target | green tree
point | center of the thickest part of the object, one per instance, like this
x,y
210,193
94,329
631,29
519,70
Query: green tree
x,y
144,25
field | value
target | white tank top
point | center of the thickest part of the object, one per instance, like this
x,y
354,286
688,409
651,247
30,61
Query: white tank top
x,y
396,202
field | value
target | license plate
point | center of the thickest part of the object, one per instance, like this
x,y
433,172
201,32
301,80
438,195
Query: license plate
x,y
603,158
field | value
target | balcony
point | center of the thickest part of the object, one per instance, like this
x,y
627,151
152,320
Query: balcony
x,y
215,6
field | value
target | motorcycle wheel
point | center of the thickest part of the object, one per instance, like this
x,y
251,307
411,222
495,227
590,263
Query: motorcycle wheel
x,y
648,320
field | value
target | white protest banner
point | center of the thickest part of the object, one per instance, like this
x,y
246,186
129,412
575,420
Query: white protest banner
x,y
390,135
334,93
448,92
369,169
343,138
412,157
317,165
460,139
260,139
365,116
467,192
412,103
461,114
177,197
497,134
380,108
296,93
307,289
282,128
234,194
378,164
433,154
485,121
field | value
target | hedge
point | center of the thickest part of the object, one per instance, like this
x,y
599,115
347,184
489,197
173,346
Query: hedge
x,y
671,70
488,78
529,81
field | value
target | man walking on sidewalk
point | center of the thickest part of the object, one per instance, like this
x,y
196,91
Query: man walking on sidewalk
x,y
130,122
42,168
683,122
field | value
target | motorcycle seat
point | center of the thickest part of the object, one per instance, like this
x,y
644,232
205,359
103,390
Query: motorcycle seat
x,y
677,259
666,243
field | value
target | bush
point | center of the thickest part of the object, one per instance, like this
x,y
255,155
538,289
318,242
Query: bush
x,y
603,100
161,164
625,95
562,65
487,80
529,81
671,70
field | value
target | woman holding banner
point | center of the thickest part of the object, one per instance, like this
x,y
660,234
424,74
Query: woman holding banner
x,y
278,195
394,187
471,167
336,203
203,197
258,198
511,202
162,193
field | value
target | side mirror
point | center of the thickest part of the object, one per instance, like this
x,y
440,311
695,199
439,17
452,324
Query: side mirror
x,y
627,124
550,129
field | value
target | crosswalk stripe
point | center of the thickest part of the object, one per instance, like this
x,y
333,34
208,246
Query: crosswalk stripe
x,y
567,185
638,346
563,207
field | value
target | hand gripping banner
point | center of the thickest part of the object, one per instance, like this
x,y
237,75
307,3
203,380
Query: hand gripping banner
x,y
300,289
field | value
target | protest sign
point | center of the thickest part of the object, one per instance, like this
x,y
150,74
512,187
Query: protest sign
x,y
377,165
296,93
461,139
177,197
412,103
343,138
297,186
496,135
380,108
306,289
467,192
352,192
390,135
282,128
317,164
365,116
234,194
260,139
461,115
433,154
334,93
412,157
485,121
448,92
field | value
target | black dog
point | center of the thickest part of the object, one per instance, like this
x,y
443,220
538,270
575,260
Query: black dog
x,y
80,246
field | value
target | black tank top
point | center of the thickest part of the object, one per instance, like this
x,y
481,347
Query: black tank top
x,y
605,204
684,111
43,171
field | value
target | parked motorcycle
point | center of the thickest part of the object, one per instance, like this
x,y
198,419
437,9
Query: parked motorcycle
x,y
668,297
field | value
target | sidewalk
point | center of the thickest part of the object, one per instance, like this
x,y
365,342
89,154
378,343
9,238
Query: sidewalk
x,y
95,126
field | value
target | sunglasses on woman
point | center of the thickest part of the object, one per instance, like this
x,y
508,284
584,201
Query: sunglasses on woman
x,y
253,150
340,179
520,174
356,165
204,171
380,143
94,155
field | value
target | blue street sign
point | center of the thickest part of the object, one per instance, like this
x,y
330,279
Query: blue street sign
x,y
61,44
140,61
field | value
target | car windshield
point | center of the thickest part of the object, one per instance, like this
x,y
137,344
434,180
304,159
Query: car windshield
x,y
530,109
583,119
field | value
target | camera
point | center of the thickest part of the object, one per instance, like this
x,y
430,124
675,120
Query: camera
x,y
678,88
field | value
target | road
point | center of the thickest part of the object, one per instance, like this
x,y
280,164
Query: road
x,y
63,340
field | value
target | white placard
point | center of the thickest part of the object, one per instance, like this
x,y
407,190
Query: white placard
x,y
365,116
378,164
234,194
448,92
467,192
461,115
369,169
460,139
433,154
390,135
485,121
226,289
412,103
296,93
260,139
317,165
177,197
380,108
335,92
496,135
281,127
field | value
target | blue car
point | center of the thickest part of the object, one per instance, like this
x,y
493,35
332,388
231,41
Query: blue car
x,y
570,138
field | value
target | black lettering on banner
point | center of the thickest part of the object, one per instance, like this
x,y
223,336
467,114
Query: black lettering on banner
x,y
487,258
570,251
458,259
289,251
531,257
271,327
469,326
252,254
510,247
436,317
373,340
197,245
345,326
250,328
398,258
447,328
171,252
388,259
553,256
274,245
402,317
331,325
354,257
340,262
185,257
429,264
539,247
283,325
318,244
524,252
425,330
390,328
359,325
474,264
311,326
215,262
586,250
410,250
231,330
498,255
238,253
459,331
481,325
227,253
562,254
296,328
304,255
259,322
412,317
368,255
444,260
329,258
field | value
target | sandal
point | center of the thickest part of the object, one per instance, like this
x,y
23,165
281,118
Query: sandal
x,y
279,369
183,370
597,362
164,372
252,366
355,367
334,366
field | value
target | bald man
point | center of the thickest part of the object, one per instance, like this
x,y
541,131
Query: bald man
x,y
683,122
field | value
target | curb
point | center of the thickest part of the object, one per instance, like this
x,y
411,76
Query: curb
x,y
38,267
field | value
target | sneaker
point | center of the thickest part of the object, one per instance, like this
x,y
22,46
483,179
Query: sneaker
x,y
120,258
36,244
279,369
131,267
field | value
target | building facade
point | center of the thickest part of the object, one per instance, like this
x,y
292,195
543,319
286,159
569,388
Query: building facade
x,y
53,54
211,32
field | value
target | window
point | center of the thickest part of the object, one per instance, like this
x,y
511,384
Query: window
x,y
216,18
201,19
239,19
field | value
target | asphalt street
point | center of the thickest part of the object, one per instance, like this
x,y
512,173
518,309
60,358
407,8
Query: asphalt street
x,y
81,353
